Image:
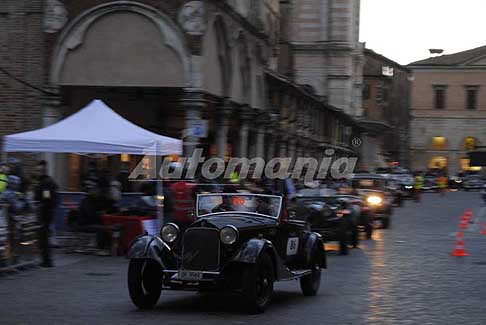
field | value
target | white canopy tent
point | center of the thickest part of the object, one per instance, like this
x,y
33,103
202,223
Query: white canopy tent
x,y
94,129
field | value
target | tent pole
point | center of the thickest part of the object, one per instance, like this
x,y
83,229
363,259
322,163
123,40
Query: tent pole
x,y
159,187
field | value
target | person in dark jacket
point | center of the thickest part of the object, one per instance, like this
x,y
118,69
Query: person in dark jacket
x,y
46,196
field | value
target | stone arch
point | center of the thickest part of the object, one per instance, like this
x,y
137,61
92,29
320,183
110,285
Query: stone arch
x,y
172,47
218,61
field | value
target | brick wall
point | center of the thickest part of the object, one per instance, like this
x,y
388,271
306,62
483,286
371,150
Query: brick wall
x,y
22,55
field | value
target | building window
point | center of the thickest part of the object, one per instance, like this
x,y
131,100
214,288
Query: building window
x,y
470,144
439,143
440,97
471,97
438,162
366,92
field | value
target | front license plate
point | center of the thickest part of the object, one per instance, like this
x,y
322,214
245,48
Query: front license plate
x,y
190,275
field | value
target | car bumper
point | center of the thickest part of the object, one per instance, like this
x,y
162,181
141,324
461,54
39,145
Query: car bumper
x,y
207,280
381,216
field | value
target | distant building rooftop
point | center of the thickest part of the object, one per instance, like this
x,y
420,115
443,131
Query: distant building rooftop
x,y
452,59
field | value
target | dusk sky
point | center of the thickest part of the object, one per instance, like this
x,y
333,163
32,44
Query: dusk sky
x,y
404,30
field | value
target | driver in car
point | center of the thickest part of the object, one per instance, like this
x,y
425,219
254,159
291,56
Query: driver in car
x,y
263,206
225,206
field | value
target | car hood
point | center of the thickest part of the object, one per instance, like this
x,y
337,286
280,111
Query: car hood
x,y
364,192
240,221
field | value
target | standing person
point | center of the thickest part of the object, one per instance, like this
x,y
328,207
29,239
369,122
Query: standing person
x,y
3,177
419,185
443,180
46,196
183,195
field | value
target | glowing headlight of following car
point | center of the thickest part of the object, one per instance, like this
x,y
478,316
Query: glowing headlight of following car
x,y
374,200
169,233
228,235
408,187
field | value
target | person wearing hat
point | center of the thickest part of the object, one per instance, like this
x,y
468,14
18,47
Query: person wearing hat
x,y
46,196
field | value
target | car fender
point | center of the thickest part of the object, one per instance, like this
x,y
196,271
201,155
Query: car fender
x,y
151,247
250,251
312,240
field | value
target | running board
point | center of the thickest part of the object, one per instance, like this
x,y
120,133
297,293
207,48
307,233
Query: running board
x,y
295,274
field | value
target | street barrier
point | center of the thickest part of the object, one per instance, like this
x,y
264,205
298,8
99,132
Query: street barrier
x,y
18,239
3,236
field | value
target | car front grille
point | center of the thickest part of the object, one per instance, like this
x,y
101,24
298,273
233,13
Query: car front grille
x,y
201,249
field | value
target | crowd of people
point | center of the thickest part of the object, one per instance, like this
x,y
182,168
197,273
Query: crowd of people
x,y
21,194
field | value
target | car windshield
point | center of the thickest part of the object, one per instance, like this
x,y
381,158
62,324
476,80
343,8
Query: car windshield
x,y
368,183
268,205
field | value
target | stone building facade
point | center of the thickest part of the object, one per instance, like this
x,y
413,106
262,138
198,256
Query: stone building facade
x,y
328,56
448,105
386,93
163,65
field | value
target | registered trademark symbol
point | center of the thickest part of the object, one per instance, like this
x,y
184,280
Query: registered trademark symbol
x,y
356,142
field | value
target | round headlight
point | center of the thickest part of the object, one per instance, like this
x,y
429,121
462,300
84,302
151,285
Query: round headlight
x,y
228,235
374,200
169,232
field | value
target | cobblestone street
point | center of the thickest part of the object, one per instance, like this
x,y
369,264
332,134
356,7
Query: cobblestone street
x,y
405,275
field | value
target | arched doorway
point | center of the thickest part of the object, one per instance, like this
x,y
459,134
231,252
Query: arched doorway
x,y
131,56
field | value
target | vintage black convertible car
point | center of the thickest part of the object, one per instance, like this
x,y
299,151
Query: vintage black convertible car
x,y
335,217
372,189
239,242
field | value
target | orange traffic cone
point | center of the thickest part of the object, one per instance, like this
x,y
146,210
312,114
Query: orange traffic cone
x,y
460,234
464,224
460,249
484,229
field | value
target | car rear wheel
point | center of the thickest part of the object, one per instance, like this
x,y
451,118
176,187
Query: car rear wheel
x,y
144,283
311,283
369,230
355,236
257,284
385,223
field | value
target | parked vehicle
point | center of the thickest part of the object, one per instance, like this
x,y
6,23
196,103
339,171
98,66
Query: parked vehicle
x,y
240,243
372,189
406,182
473,182
336,218
431,183
455,182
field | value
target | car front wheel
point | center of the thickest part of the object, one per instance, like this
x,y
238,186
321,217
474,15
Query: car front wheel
x,y
144,283
311,283
257,284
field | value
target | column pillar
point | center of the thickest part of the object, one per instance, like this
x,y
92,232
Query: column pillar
x,y
283,147
260,141
244,132
50,115
224,112
270,150
193,103
292,150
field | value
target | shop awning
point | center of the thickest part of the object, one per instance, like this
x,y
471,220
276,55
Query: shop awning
x,y
94,129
